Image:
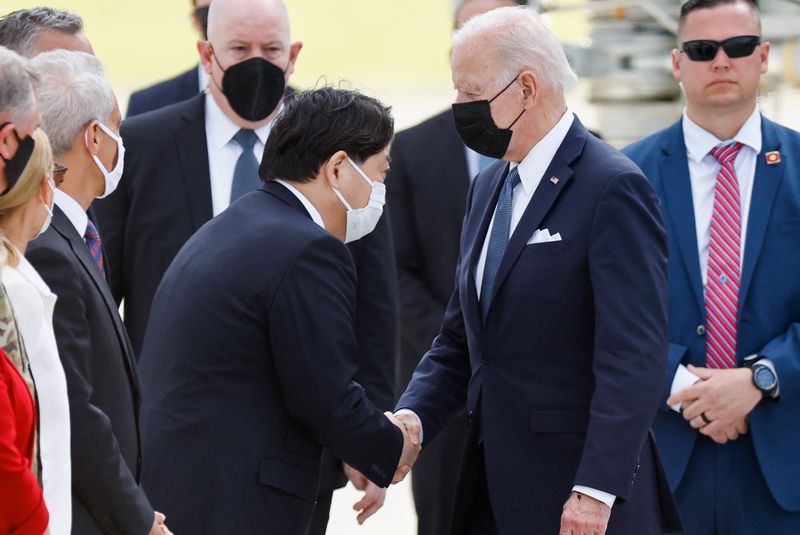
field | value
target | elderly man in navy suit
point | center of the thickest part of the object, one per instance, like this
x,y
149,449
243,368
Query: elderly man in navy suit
x,y
555,338
731,194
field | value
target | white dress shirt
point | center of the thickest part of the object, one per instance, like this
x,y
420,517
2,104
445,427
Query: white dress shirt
x,y
74,211
223,152
33,303
202,78
531,171
703,170
312,211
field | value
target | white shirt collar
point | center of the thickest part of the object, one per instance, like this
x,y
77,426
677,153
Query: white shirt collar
x,y
74,211
699,142
202,78
220,129
538,159
312,211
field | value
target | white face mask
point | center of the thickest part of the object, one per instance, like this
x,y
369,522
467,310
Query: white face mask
x,y
49,217
112,177
362,221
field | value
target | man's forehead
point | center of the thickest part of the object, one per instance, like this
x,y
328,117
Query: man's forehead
x,y
720,22
263,22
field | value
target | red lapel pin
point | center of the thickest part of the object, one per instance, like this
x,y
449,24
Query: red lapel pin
x,y
773,157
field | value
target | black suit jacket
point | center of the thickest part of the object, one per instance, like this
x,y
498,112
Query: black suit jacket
x,y
248,370
102,385
177,89
427,194
165,196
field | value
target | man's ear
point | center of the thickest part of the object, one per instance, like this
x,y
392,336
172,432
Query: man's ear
x,y
333,167
529,86
90,137
8,142
294,51
205,51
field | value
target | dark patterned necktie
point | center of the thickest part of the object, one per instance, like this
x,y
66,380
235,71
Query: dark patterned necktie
x,y
92,238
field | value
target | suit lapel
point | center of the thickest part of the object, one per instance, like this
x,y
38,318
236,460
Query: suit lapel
x,y
767,178
64,227
190,139
676,187
543,199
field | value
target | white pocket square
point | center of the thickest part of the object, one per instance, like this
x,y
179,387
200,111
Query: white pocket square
x,y
543,236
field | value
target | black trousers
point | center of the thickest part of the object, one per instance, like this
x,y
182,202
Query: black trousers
x,y
472,514
322,512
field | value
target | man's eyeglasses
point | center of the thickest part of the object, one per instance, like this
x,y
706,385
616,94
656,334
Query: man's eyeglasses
x,y
58,173
735,47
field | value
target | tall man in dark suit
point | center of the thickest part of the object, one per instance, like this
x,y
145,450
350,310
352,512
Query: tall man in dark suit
x,y
81,118
430,177
555,336
186,164
731,196
249,358
178,88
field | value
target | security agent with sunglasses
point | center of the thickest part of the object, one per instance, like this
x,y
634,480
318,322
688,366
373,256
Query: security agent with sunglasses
x,y
728,425
554,340
186,163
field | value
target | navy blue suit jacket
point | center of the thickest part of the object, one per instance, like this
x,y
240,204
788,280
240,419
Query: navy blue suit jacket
x,y
769,299
563,375
177,89
247,371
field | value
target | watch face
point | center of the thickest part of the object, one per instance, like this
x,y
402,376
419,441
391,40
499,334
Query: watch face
x,y
764,378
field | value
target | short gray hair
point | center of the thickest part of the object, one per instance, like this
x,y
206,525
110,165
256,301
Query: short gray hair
x,y
520,41
73,91
17,86
20,29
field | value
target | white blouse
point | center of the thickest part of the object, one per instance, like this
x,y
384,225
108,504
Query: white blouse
x,y
33,304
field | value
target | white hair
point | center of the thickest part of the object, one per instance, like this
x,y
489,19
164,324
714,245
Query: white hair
x,y
17,87
73,92
520,41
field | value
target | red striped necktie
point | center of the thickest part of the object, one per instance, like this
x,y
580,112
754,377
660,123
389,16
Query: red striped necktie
x,y
92,238
722,281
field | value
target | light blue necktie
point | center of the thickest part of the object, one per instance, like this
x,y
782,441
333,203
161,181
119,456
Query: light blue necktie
x,y
498,239
245,174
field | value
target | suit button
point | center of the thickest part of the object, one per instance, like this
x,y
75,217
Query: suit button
x,y
485,358
701,330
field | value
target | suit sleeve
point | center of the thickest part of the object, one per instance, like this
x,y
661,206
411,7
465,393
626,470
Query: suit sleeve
x,y
315,348
438,388
420,313
112,218
376,315
784,351
100,477
628,270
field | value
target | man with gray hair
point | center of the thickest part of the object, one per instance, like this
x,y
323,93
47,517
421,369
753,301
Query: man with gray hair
x,y
39,29
555,338
81,117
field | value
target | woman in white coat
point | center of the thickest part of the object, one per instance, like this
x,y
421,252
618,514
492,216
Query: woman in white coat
x,y
25,212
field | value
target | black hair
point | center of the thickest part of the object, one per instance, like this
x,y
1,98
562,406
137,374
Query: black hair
x,y
315,124
693,5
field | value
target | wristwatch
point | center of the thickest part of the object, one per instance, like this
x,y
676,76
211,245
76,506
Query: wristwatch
x,y
764,379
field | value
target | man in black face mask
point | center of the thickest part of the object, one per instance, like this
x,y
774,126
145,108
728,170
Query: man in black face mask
x,y
555,338
186,163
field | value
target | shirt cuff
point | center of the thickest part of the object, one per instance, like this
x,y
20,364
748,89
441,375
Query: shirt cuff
x,y
598,495
414,414
683,379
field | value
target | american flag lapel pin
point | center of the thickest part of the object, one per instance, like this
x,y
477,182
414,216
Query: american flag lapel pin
x,y
773,157
554,180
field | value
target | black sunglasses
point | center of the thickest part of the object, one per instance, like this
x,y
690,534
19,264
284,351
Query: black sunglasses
x,y
735,47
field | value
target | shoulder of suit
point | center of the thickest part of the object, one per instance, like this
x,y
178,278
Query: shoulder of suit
x,y
650,146
427,128
164,119
165,85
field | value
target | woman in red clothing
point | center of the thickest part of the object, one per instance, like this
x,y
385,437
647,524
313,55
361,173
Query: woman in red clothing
x,y
22,509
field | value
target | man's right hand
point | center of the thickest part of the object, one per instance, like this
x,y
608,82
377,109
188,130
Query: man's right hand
x,y
159,527
411,447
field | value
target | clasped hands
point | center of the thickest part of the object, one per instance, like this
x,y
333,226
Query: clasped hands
x,y
718,404
410,427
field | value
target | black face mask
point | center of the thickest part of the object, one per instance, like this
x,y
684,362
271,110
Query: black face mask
x,y
253,87
15,165
201,15
478,130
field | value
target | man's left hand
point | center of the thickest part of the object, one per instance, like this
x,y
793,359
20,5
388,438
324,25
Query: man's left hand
x,y
373,498
583,515
722,397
